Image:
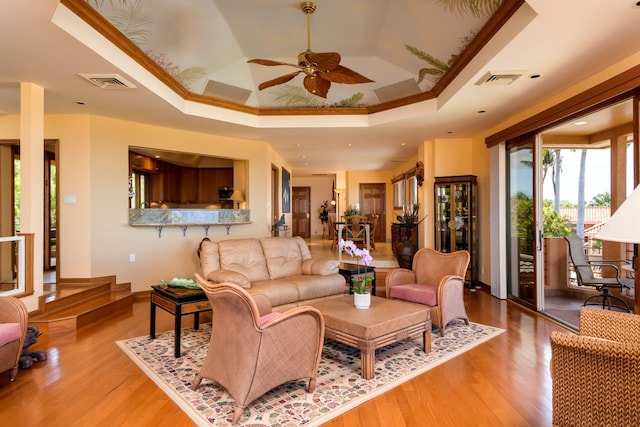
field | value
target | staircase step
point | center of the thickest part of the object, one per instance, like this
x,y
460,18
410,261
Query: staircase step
x,y
80,311
67,294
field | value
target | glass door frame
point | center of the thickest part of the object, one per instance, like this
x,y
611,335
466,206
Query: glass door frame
x,y
524,273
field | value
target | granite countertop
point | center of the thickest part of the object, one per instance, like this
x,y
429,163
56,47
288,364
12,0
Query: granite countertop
x,y
187,217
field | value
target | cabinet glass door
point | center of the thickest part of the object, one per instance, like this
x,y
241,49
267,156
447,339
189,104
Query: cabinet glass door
x,y
459,223
443,209
452,215
456,219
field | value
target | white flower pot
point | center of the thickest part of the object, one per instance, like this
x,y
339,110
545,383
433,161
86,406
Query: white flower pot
x,y
362,301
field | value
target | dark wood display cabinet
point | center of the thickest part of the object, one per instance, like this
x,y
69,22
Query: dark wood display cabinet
x,y
456,219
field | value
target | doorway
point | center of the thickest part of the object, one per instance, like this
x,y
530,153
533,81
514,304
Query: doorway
x,y
50,232
275,197
301,211
50,212
372,202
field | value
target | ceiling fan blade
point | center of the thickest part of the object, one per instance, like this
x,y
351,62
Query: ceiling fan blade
x,y
343,75
317,86
278,81
270,63
325,61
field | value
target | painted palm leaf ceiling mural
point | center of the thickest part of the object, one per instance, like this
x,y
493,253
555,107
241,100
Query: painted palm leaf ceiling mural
x,y
404,46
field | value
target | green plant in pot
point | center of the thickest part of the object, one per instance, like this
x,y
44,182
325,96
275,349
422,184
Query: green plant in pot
x,y
323,211
351,210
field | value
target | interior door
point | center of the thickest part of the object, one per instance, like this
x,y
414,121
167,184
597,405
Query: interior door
x,y
522,229
275,195
301,211
372,201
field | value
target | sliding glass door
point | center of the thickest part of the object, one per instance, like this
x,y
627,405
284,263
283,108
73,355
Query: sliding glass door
x,y
522,232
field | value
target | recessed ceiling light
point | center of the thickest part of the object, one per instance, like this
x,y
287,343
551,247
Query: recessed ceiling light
x,y
403,144
636,4
535,76
80,102
482,111
450,132
580,123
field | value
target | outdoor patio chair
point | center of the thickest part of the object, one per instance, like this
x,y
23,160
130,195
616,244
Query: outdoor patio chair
x,y
585,276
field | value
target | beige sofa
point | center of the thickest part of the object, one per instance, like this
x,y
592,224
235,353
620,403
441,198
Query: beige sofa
x,y
281,268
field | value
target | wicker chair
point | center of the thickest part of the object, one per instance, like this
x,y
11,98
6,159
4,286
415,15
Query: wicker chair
x,y
596,374
252,349
13,329
436,280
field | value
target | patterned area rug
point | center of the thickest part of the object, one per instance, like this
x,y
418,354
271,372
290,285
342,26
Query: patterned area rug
x,y
339,387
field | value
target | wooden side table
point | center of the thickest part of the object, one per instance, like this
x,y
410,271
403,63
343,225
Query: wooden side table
x,y
351,271
179,302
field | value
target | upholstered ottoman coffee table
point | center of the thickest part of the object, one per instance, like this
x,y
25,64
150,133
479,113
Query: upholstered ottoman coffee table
x,y
385,322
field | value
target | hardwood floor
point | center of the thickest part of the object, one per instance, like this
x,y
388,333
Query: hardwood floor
x,y
88,380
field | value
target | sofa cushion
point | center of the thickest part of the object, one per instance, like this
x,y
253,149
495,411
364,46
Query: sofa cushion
x,y
220,276
209,256
244,256
283,256
279,291
322,267
304,249
9,332
311,287
421,294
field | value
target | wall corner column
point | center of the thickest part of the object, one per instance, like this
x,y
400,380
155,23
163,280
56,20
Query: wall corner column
x,y
32,178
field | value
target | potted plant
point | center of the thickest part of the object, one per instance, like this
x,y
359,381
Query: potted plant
x,y
351,210
361,283
323,212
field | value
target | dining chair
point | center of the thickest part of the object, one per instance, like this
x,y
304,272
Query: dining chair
x,y
374,219
333,231
355,231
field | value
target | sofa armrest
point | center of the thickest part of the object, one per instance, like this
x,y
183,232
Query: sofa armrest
x,y
230,276
319,267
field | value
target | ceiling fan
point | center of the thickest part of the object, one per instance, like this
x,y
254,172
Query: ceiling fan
x,y
320,68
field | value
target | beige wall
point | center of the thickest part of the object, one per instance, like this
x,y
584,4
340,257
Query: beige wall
x,y
95,238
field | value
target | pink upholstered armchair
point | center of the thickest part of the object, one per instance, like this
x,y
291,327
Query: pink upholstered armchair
x,y
13,330
253,349
436,280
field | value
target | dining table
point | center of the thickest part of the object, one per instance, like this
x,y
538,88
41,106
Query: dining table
x,y
367,234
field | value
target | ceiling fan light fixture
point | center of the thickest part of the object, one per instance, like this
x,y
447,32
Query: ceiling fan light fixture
x,y
324,65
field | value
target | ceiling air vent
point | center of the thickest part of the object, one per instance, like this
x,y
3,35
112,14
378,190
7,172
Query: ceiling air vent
x,y
108,81
503,78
